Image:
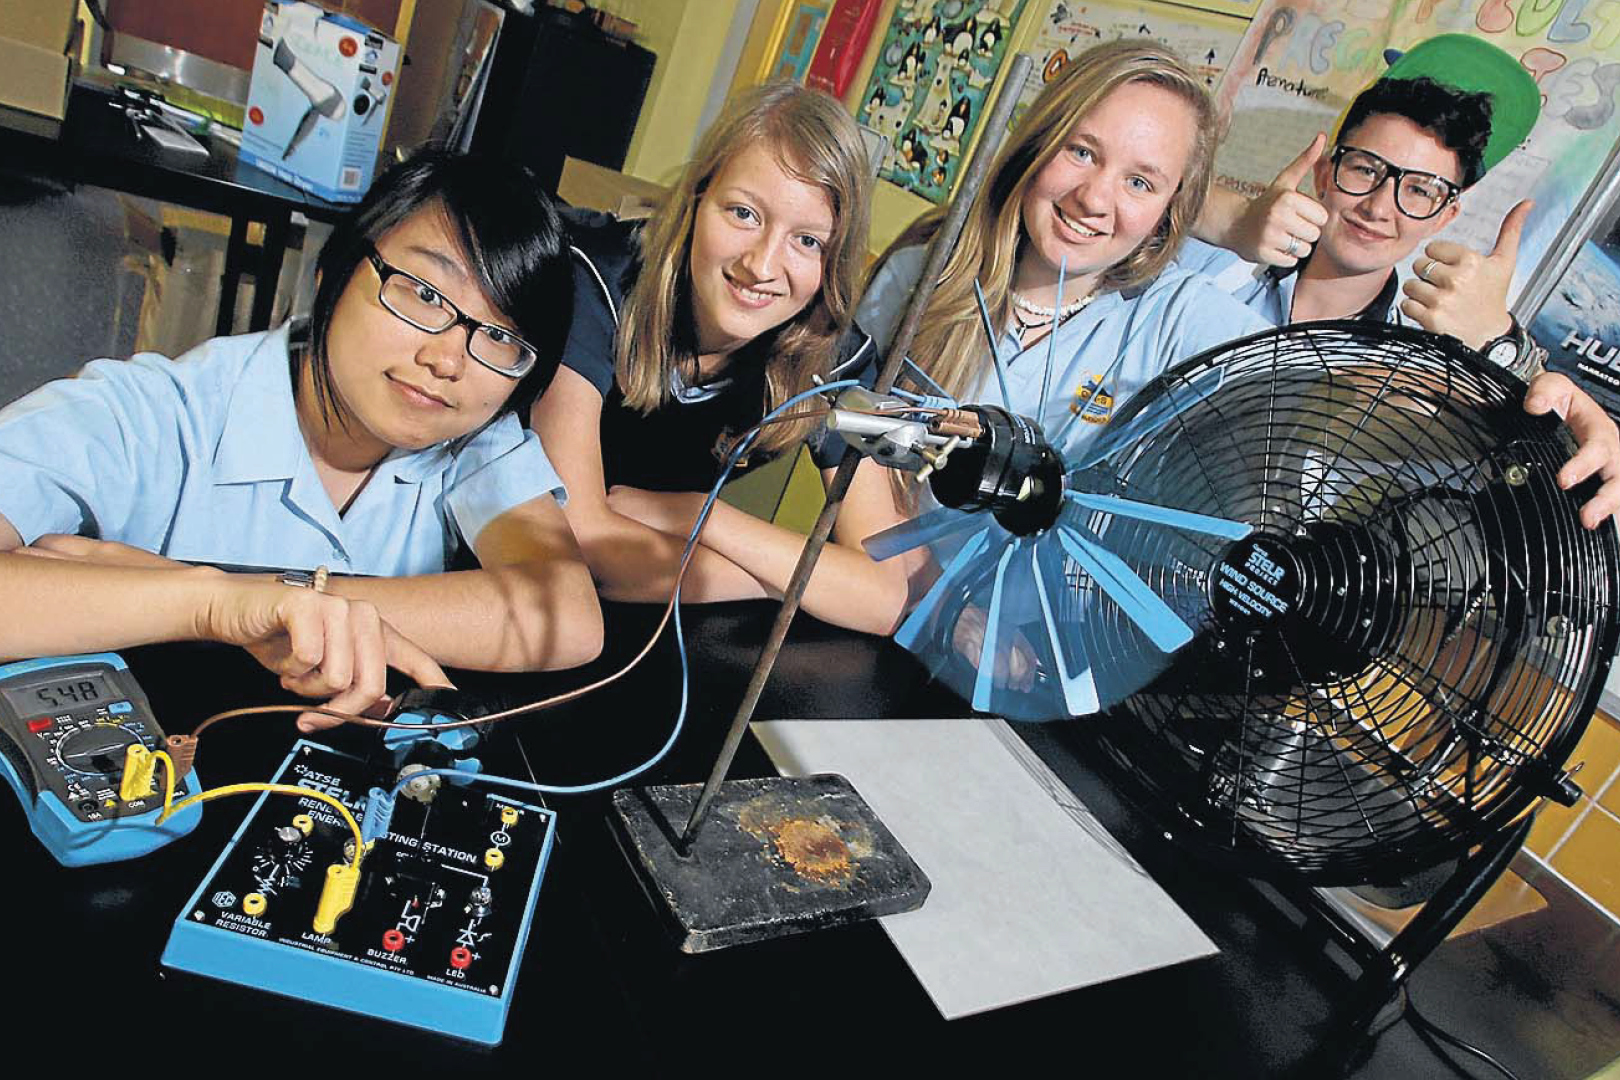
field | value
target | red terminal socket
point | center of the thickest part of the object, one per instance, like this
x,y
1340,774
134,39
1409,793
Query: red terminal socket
x,y
460,956
393,940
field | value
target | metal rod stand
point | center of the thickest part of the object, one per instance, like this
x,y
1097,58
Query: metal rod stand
x,y
939,250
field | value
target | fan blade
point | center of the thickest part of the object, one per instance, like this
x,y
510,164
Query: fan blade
x,y
987,652
937,524
909,634
1144,607
1079,689
1162,515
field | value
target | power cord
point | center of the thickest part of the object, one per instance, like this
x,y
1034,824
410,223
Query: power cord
x,y
1434,1035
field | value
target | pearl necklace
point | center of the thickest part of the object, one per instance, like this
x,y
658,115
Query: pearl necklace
x,y
1041,316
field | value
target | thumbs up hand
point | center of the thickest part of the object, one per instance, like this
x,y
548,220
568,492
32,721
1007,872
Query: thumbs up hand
x,y
1282,224
1460,292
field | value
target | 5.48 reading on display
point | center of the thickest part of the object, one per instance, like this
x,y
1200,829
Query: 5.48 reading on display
x,y
56,694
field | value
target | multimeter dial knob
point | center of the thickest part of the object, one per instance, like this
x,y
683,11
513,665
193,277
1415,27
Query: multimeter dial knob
x,y
96,751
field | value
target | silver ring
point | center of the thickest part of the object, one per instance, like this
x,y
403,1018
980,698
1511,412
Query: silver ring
x,y
1423,274
1293,246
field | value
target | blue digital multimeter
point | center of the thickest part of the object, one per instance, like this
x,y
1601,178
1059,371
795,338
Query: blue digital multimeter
x,y
66,726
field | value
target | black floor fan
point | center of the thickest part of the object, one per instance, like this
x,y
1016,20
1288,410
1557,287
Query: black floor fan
x,y
1381,667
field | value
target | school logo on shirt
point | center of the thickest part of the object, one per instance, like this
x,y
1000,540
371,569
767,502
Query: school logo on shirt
x,y
1092,402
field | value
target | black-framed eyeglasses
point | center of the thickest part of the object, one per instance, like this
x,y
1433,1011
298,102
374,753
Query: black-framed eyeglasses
x,y
422,305
1418,195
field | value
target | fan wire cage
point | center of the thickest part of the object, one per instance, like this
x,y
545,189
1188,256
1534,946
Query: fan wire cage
x,y
1396,662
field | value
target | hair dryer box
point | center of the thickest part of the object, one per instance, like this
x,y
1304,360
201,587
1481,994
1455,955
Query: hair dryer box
x,y
322,83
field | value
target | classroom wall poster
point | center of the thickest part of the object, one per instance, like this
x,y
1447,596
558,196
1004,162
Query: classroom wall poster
x,y
1302,61
804,19
1068,28
929,87
1579,324
842,45
1244,8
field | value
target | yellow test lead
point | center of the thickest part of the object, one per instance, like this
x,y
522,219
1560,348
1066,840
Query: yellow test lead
x,y
168,776
137,780
277,789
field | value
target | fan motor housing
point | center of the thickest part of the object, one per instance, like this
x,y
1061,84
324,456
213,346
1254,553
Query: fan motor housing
x,y
1326,593
1256,582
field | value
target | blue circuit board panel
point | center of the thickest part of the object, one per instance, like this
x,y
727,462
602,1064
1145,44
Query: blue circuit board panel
x,y
440,918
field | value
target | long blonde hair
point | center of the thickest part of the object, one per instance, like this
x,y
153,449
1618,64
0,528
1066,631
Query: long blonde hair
x,y
816,141
950,344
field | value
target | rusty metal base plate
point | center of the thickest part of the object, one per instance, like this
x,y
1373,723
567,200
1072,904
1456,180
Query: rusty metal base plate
x,y
776,856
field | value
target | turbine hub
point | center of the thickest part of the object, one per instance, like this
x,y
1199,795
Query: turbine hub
x,y
1009,470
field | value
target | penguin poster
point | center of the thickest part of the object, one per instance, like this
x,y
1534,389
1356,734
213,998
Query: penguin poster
x,y
931,84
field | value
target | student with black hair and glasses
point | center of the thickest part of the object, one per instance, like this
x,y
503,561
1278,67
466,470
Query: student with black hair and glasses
x,y
358,451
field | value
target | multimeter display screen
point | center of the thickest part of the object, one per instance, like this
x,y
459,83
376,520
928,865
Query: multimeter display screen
x,y
60,694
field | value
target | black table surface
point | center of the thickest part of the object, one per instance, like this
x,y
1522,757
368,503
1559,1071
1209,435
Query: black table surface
x,y
96,144
601,986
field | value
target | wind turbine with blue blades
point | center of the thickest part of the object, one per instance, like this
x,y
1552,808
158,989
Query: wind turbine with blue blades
x,y
1010,622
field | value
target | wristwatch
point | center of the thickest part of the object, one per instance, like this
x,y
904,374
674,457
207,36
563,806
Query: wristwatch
x,y
1516,352
305,579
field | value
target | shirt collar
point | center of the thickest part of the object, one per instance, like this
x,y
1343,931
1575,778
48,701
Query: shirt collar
x,y
1382,307
1379,309
414,466
262,441
688,394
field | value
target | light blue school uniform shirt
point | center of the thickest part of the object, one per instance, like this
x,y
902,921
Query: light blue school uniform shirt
x,y
1102,356
201,458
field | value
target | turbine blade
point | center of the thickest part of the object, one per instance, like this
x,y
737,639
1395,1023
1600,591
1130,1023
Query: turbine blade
x,y
1140,603
987,652
1079,688
1051,346
1162,515
911,630
937,524
990,339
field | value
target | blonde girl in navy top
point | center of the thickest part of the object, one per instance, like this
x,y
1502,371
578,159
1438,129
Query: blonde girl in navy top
x,y
688,329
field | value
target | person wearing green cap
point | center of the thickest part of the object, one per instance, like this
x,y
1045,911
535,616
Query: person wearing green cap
x,y
1409,145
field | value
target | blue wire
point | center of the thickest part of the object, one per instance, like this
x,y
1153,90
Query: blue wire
x,y
927,401
732,459
923,377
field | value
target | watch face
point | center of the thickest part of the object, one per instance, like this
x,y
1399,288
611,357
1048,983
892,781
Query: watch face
x,y
1504,352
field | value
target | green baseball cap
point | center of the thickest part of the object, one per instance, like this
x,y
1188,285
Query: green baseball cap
x,y
1478,67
